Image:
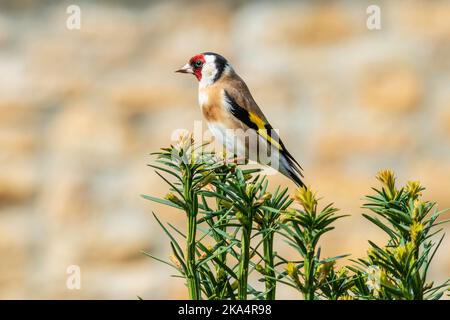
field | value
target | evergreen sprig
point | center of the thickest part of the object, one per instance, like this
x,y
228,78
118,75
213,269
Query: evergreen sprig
x,y
233,220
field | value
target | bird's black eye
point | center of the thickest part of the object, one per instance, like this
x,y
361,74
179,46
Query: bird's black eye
x,y
198,63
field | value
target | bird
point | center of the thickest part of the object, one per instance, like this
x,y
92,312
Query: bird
x,y
235,119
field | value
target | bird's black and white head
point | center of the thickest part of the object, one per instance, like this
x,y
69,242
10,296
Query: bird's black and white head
x,y
208,67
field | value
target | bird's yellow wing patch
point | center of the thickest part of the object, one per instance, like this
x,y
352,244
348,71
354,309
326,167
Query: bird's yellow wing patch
x,y
253,121
262,129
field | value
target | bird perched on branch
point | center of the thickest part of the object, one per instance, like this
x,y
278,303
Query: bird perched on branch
x,y
235,119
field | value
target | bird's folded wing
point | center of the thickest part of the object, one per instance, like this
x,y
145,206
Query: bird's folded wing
x,y
250,114
253,121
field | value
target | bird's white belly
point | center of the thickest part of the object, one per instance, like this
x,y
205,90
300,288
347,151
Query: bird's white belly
x,y
229,138
202,98
235,143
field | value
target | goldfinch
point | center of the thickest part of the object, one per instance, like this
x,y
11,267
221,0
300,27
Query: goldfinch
x,y
235,119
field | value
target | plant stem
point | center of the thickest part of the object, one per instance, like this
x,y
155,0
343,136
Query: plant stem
x,y
269,271
192,279
191,199
309,268
418,294
245,260
220,271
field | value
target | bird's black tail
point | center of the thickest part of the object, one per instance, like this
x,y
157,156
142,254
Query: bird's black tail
x,y
290,168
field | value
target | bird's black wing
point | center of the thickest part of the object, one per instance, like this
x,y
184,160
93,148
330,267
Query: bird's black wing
x,y
266,131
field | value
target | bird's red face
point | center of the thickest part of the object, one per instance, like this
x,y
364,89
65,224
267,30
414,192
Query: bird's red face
x,y
194,66
207,67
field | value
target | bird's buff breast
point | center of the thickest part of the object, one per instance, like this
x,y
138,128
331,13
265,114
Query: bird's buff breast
x,y
211,104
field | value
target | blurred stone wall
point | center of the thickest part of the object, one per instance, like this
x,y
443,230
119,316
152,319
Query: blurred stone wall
x,y
80,110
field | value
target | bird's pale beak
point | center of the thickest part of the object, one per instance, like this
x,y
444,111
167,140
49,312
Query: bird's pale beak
x,y
186,69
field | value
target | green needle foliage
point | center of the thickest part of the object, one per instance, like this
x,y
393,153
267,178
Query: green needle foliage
x,y
233,221
268,223
303,230
190,174
398,270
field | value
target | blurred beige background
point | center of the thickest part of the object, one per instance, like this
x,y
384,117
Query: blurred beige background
x,y
80,110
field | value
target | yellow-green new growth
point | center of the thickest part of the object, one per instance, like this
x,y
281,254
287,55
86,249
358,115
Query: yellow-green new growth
x,y
387,178
306,198
415,231
414,189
